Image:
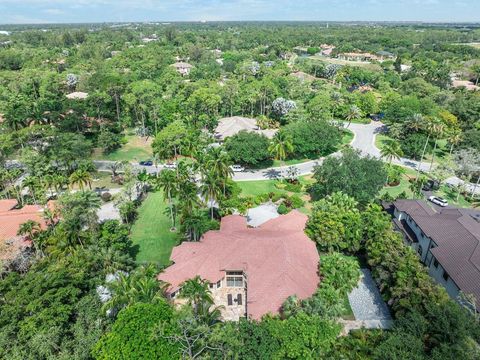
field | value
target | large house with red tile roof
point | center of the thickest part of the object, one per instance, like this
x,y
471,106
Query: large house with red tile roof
x,y
11,218
251,271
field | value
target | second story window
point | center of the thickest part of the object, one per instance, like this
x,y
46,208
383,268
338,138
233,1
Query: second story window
x,y
235,279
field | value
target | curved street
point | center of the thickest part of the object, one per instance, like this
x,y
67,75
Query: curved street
x,y
364,140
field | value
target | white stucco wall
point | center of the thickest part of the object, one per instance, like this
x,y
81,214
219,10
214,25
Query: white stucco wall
x,y
449,285
427,257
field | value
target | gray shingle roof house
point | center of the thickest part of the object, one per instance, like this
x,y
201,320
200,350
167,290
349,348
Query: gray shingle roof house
x,y
447,241
230,126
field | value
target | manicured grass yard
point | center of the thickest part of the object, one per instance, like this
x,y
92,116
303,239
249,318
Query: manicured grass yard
x,y
254,188
151,231
136,149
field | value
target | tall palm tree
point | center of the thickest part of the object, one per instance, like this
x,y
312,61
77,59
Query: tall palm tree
x,y
281,146
390,151
187,197
429,129
197,293
167,182
416,122
218,163
210,190
81,178
31,228
438,130
354,113
454,139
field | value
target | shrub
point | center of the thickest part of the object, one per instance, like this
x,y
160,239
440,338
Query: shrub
x,y
296,202
106,196
282,209
297,187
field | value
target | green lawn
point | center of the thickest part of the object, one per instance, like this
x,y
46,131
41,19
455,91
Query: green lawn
x,y
151,231
397,190
135,149
440,153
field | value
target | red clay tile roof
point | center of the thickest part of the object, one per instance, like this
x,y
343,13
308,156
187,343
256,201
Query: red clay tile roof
x,y
277,258
10,221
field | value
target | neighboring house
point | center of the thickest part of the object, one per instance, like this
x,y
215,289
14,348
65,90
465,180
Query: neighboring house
x,y
446,240
354,56
11,219
327,49
385,55
466,84
230,126
183,68
77,95
251,271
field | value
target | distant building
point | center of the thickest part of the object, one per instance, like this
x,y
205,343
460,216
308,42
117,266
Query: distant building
x,y
230,126
385,55
183,68
77,95
251,271
326,49
465,84
447,240
357,56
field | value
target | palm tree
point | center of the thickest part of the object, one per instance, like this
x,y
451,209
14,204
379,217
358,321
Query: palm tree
x,y
416,122
167,182
140,286
281,146
31,228
438,129
218,163
115,167
390,151
354,113
454,139
210,190
32,183
197,293
81,178
428,129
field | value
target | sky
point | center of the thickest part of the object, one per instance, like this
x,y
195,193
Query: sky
x,y
74,11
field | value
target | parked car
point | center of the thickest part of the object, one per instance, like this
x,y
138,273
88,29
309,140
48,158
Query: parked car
x,y
438,200
171,165
237,168
431,185
146,163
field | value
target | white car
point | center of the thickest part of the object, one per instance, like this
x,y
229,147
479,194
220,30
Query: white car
x,y
439,201
171,165
237,168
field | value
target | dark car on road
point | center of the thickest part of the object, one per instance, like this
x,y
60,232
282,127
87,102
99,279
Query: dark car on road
x,y
146,163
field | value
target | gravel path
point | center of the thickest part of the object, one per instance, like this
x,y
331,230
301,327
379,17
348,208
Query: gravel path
x,y
365,300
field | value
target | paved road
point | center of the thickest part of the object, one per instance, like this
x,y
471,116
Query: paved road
x,y
364,140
